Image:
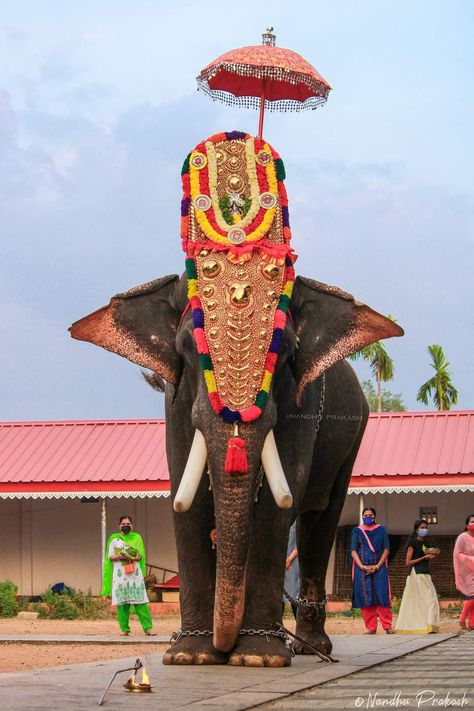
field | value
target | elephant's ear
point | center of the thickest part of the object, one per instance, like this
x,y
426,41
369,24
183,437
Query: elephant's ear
x,y
140,325
331,325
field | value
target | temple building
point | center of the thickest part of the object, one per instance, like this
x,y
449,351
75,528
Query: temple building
x,y
63,486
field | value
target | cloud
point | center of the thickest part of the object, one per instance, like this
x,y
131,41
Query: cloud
x,y
92,137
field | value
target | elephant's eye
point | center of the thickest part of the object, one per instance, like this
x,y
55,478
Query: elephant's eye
x,y
185,343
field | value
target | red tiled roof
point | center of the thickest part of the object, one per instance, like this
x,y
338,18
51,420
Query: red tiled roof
x,y
398,449
416,447
411,443
83,455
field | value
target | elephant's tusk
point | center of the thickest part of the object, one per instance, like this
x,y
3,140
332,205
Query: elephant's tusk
x,y
192,474
274,471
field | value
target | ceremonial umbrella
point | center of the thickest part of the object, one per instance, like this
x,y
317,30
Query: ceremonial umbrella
x,y
264,76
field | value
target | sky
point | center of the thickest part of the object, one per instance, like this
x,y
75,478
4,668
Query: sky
x,y
98,109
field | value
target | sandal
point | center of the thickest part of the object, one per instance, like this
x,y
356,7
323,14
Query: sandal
x,y
150,634
371,632
390,630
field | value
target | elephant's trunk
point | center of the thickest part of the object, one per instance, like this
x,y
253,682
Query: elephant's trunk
x,y
233,502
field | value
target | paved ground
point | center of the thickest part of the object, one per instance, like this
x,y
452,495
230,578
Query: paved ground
x,y
234,688
438,677
83,639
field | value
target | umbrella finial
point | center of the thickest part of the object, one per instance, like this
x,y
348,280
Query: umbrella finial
x,y
268,37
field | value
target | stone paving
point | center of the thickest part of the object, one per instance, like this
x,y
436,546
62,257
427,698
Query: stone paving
x,y
438,677
80,686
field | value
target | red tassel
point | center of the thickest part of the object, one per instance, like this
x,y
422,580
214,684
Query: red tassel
x,y
236,457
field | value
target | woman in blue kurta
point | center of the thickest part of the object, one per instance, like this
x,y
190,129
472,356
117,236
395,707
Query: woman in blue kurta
x,y
371,585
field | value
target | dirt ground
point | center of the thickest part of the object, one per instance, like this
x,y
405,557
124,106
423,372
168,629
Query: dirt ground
x,y
20,657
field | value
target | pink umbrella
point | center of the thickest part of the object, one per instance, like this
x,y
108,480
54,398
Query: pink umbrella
x,y
266,77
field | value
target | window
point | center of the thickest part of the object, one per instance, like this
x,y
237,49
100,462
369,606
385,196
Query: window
x,y
429,513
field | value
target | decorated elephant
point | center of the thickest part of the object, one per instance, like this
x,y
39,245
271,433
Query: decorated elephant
x,y
264,416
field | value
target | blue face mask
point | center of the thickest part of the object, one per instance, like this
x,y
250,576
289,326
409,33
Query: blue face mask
x,y
368,520
422,532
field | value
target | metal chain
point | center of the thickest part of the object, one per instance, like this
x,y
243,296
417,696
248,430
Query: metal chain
x,y
321,404
304,602
176,636
264,633
259,483
279,633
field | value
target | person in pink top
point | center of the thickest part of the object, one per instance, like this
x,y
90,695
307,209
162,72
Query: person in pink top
x,y
463,559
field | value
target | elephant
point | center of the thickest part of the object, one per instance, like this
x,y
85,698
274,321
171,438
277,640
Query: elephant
x,y
311,427
264,416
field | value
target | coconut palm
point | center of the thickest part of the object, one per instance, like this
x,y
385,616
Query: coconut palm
x,y
439,387
380,362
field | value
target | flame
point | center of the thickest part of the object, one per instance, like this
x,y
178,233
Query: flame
x,y
145,679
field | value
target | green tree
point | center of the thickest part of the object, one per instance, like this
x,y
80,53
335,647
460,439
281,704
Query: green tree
x,y
391,402
380,363
439,387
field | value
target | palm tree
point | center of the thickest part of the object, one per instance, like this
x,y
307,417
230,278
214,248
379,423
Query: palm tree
x,y
380,362
439,387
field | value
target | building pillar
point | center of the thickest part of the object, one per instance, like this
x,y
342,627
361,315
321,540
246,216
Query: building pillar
x,y
103,531
361,508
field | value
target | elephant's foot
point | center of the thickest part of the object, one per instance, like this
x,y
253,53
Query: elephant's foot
x,y
260,651
315,636
194,650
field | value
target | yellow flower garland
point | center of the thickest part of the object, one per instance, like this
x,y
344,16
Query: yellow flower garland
x,y
254,192
203,222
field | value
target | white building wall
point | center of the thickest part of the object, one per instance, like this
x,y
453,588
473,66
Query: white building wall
x,y
52,541
398,511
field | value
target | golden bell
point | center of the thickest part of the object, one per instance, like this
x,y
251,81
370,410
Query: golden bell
x,y
270,271
211,268
240,293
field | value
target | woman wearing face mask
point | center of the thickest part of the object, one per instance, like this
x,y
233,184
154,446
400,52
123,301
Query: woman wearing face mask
x,y
371,586
124,576
419,609
463,558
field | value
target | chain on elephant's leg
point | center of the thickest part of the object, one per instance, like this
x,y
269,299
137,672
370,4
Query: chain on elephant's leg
x,y
310,627
261,648
193,647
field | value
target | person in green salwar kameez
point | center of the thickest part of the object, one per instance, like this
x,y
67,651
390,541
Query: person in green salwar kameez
x,y
126,588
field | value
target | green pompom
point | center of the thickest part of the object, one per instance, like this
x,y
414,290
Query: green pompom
x,y
185,168
280,169
283,303
191,268
205,360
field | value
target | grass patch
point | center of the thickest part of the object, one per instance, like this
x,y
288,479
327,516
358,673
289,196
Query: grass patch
x,y
71,605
